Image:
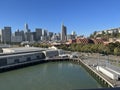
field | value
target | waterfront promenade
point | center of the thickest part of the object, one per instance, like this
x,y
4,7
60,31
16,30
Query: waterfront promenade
x,y
93,61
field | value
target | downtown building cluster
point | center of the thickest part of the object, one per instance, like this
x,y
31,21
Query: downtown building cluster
x,y
39,35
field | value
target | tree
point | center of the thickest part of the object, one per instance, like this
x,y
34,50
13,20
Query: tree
x,y
95,32
101,48
94,48
117,51
103,32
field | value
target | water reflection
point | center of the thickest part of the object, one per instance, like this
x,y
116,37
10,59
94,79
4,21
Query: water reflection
x,y
60,65
48,76
70,65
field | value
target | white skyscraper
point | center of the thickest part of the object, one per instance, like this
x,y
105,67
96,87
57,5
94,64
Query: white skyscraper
x,y
26,28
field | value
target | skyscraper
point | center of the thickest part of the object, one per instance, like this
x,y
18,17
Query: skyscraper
x,y
26,28
63,33
44,36
20,33
27,33
6,35
38,34
45,33
1,37
50,35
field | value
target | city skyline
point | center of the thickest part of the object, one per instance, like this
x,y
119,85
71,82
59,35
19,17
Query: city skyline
x,y
82,16
38,35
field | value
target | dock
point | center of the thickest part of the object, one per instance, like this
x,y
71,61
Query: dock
x,y
106,81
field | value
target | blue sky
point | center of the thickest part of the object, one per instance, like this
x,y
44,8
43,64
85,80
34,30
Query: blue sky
x,y
82,16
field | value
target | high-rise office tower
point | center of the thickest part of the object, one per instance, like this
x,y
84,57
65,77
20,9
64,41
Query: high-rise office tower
x,y
34,36
63,33
50,35
6,35
20,33
26,28
28,36
38,34
27,33
1,37
44,33
44,36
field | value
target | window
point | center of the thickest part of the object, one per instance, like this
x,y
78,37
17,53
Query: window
x,y
28,59
16,61
3,61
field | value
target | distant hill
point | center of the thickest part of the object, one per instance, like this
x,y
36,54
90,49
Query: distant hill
x,y
106,34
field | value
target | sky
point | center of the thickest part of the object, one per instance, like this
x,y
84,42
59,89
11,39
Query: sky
x,y
82,16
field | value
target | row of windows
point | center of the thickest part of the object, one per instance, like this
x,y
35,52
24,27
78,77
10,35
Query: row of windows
x,y
3,61
11,57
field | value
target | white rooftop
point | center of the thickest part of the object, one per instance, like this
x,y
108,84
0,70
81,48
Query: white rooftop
x,y
21,49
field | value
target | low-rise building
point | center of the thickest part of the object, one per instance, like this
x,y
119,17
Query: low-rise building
x,y
71,41
16,39
51,53
82,41
98,41
11,56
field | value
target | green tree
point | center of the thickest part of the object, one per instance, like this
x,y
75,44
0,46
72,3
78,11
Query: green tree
x,y
117,51
103,32
94,48
95,32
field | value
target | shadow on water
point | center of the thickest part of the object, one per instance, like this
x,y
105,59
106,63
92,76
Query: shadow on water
x,y
100,89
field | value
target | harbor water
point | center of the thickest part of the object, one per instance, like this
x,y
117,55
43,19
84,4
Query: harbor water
x,y
48,76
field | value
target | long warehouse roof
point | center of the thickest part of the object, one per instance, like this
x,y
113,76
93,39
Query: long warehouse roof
x,y
21,49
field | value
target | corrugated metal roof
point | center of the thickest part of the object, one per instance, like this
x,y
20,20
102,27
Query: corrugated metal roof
x,y
24,49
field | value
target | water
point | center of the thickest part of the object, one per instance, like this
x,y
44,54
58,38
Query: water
x,y
48,76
